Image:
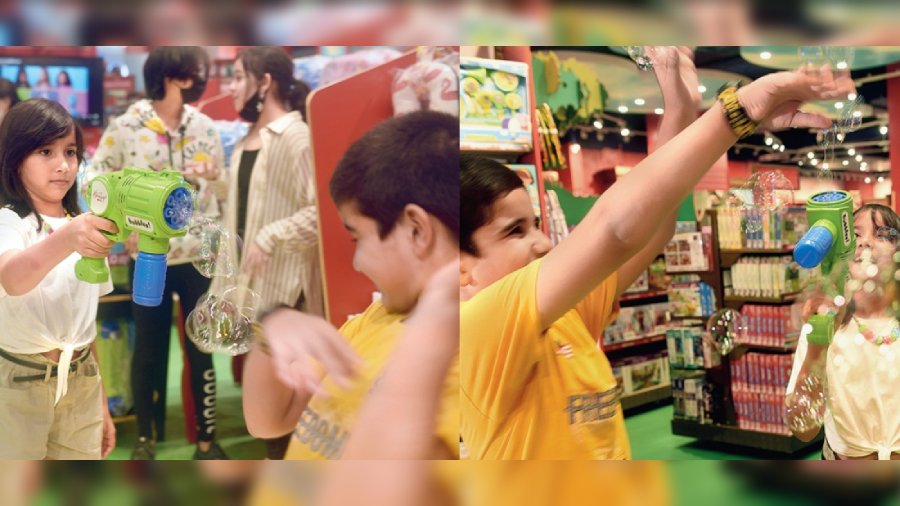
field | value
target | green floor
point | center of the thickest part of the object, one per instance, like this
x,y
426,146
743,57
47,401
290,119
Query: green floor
x,y
230,430
651,438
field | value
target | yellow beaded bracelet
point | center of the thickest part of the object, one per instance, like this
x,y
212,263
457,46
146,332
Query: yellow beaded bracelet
x,y
737,117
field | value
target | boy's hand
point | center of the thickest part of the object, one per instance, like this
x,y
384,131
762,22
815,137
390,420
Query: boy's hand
x,y
84,234
194,171
302,344
773,99
677,76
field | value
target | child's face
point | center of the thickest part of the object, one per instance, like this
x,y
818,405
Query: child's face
x,y
386,262
49,172
242,86
509,241
875,243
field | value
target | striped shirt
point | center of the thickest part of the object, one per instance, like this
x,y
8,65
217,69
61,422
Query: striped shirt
x,y
282,216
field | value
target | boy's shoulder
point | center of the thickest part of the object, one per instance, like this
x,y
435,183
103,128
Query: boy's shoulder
x,y
375,318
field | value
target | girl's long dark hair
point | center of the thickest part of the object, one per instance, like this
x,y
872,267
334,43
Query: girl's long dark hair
x,y
259,61
30,125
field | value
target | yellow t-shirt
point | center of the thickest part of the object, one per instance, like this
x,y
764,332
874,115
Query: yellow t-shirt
x,y
325,423
528,394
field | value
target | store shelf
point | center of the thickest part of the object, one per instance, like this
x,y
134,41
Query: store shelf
x,y
736,436
752,251
742,299
634,342
698,273
761,347
652,294
649,396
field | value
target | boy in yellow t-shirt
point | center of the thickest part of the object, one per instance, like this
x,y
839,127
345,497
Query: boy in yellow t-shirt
x,y
396,190
533,382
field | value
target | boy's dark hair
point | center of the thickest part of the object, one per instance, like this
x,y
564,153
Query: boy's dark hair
x,y
482,182
8,90
28,126
411,159
259,61
173,62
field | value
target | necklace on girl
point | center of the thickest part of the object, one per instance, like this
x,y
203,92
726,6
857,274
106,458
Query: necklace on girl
x,y
48,229
870,336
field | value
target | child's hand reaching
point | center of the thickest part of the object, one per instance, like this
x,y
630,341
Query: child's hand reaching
x,y
301,344
773,100
677,76
84,234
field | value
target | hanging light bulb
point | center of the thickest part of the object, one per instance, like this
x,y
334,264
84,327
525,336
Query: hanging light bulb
x,y
626,132
868,180
598,124
851,151
768,141
883,129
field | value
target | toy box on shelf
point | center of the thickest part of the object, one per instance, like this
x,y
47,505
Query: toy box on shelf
x,y
688,251
689,296
643,372
495,112
689,350
637,322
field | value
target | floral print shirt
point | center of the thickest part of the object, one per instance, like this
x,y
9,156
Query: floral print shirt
x,y
139,138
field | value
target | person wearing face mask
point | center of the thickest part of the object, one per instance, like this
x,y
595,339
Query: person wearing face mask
x,y
271,194
163,132
8,97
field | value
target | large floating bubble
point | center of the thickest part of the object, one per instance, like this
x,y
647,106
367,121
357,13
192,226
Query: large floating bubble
x,y
725,328
218,251
224,323
806,408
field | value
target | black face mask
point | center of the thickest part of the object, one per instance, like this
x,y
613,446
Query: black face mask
x,y
193,94
252,108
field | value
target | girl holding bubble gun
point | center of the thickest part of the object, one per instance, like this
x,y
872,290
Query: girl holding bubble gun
x,y
52,404
844,379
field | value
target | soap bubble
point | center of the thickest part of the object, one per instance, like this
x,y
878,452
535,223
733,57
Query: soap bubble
x,y
805,408
642,55
765,193
218,251
224,323
725,328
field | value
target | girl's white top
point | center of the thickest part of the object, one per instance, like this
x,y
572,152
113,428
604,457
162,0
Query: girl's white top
x,y
862,414
60,313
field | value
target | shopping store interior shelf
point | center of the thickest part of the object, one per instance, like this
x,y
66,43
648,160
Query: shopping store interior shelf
x,y
649,396
727,434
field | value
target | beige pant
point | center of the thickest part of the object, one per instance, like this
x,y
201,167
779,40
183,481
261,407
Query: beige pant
x,y
32,428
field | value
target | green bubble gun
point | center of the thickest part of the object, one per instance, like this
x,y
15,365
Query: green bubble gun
x,y
830,242
156,205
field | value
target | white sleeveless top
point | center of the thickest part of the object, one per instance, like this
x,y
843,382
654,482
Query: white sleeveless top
x,y
60,313
862,416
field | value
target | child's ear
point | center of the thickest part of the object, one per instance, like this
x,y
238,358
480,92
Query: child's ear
x,y
421,229
466,265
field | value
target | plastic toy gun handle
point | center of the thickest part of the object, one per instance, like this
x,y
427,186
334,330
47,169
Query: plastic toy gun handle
x,y
149,279
814,245
91,270
822,329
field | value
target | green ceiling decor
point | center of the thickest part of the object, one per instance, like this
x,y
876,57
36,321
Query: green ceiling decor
x,y
572,89
792,57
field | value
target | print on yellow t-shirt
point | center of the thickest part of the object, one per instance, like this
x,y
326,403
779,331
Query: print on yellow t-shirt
x,y
532,394
327,421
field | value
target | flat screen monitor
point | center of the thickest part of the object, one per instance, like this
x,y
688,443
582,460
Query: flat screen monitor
x,y
76,83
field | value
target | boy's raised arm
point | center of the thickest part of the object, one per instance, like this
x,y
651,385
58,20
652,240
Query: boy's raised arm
x,y
628,215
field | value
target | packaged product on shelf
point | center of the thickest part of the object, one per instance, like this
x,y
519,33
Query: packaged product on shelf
x,y
657,275
687,252
495,111
770,230
674,344
641,284
770,277
528,174
688,296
